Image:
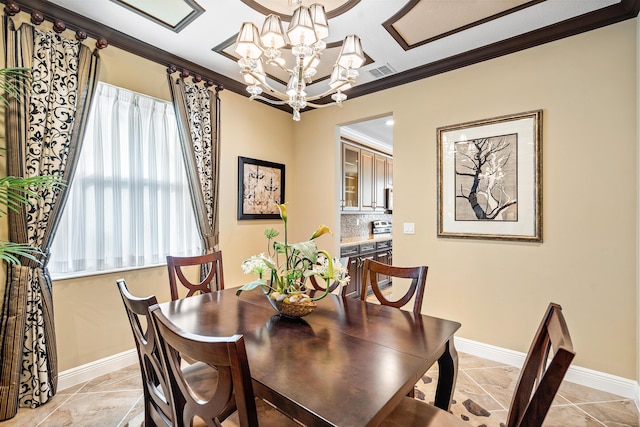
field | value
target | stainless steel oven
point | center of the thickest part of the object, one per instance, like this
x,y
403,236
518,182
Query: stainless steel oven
x,y
388,202
381,227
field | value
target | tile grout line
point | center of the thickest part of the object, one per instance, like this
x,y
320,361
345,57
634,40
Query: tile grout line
x,y
598,402
579,406
478,368
585,412
130,410
487,392
76,394
58,407
111,391
569,404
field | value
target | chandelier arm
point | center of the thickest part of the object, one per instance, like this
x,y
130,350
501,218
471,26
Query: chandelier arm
x,y
330,104
326,92
266,85
275,102
285,98
270,101
322,95
314,56
282,96
276,64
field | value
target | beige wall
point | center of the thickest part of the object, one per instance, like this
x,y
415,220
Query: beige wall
x,y
498,290
637,199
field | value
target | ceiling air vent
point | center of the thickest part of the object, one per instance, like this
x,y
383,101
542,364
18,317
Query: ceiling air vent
x,y
383,71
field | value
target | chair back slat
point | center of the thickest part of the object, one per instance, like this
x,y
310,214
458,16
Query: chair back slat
x,y
211,274
547,362
157,405
418,276
226,356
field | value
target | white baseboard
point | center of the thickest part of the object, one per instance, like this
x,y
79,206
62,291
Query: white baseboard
x,y
91,370
623,387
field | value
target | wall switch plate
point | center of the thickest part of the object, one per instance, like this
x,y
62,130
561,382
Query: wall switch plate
x,y
409,228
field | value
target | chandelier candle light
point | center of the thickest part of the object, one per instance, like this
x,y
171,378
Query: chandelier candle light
x,y
307,29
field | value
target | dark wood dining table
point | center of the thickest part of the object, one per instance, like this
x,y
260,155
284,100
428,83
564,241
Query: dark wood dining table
x,y
349,363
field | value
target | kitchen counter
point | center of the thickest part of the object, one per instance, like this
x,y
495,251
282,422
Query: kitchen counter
x,y
347,241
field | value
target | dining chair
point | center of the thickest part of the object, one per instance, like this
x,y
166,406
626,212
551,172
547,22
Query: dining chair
x,y
545,366
318,286
234,389
370,277
157,402
157,408
210,264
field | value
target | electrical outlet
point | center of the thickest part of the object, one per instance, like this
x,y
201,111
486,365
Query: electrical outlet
x,y
409,228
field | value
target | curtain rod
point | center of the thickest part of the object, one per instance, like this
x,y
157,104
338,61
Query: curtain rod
x,y
197,78
12,8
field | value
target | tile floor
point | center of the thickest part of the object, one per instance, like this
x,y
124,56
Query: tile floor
x,y
482,395
484,389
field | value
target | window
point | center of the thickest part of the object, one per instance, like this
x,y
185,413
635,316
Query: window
x,y
129,204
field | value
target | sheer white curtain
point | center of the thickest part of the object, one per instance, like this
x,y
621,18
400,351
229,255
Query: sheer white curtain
x,y
129,204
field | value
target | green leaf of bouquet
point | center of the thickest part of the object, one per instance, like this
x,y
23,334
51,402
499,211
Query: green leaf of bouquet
x,y
250,286
279,247
270,233
307,249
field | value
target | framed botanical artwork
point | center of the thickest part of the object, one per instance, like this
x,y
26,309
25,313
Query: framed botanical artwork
x,y
260,188
490,178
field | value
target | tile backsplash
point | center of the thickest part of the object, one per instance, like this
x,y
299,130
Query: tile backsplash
x,y
359,225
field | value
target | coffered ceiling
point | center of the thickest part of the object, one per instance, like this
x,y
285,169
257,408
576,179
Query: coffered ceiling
x,y
404,40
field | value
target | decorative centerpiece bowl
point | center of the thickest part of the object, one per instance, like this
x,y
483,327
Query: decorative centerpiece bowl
x,y
285,288
292,306
295,309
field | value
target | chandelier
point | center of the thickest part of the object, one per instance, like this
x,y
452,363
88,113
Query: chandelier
x,y
304,37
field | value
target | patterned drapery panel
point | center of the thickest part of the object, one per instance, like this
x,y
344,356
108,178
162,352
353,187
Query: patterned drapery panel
x,y
44,133
198,112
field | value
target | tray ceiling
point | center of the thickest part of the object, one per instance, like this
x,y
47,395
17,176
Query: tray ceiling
x,y
404,40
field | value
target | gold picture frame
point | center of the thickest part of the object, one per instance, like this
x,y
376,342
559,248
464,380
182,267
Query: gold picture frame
x,y
490,178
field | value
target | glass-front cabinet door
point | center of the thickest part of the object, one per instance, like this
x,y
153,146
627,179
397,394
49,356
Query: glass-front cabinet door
x,y
350,178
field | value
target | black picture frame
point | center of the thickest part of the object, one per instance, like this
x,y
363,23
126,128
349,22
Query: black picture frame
x,y
260,188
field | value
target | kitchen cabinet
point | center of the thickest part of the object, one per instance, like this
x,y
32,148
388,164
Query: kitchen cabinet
x,y
373,178
389,172
379,182
367,164
352,252
374,172
378,251
350,178
383,255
